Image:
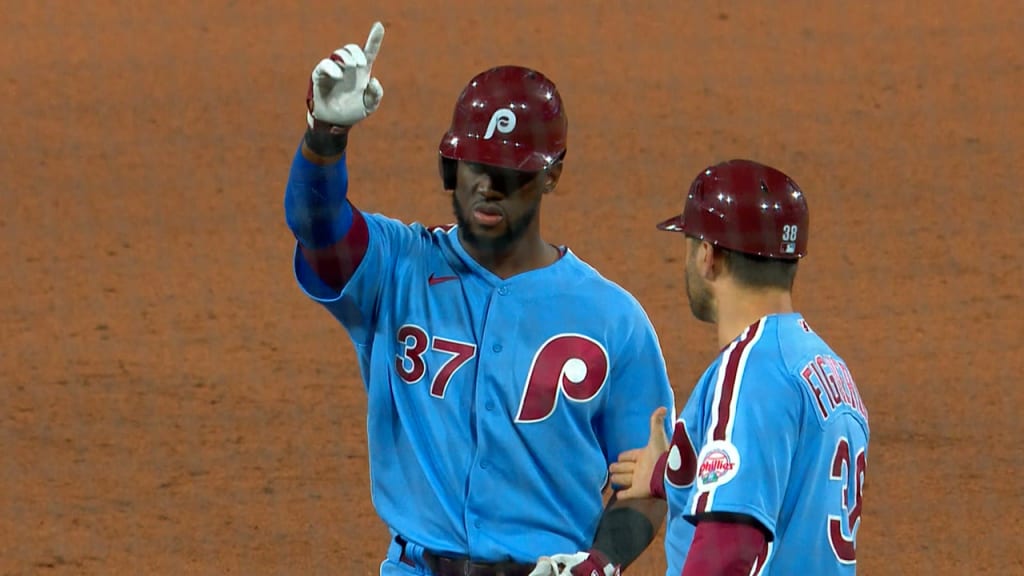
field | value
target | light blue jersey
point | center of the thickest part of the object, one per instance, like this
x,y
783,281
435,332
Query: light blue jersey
x,y
495,406
775,429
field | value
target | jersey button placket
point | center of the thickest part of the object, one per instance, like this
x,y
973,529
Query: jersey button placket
x,y
483,471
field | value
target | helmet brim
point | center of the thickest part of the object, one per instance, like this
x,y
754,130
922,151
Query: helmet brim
x,y
493,153
673,224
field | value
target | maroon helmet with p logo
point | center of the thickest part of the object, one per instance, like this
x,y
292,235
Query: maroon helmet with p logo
x,y
509,117
747,207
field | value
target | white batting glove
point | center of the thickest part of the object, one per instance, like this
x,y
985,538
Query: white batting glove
x,y
342,90
545,567
578,564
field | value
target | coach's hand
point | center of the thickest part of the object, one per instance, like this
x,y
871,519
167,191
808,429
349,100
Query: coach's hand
x,y
591,563
342,90
635,468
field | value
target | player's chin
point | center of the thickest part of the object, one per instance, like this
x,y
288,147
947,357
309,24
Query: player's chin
x,y
701,312
494,232
490,240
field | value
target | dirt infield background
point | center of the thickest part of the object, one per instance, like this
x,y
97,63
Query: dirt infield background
x,y
171,404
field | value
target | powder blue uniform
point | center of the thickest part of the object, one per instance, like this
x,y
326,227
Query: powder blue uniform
x,y
495,406
781,434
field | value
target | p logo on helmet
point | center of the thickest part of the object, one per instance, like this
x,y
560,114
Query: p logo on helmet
x,y
504,120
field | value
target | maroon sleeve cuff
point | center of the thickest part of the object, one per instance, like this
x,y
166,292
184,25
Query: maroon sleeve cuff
x,y
726,549
658,477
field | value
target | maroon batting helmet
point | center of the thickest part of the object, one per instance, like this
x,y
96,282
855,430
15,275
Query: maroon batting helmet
x,y
510,117
747,207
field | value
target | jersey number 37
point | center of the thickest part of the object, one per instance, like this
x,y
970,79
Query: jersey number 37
x,y
573,366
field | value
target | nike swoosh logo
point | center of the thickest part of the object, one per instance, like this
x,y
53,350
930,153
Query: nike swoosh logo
x,y
438,279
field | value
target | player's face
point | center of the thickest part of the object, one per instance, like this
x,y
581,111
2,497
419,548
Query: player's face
x,y
495,207
698,292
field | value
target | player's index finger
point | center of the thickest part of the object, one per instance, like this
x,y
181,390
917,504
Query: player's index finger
x,y
373,42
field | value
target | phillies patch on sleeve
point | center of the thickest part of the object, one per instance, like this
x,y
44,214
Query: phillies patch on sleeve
x,y
718,463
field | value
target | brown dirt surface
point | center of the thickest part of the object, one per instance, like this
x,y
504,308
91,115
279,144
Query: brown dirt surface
x,y
172,404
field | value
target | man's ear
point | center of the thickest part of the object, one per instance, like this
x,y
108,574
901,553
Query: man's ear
x,y
709,261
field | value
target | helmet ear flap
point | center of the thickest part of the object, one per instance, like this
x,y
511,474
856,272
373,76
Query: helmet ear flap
x,y
447,168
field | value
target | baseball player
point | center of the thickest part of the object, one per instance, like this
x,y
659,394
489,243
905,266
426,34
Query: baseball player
x,y
503,373
765,470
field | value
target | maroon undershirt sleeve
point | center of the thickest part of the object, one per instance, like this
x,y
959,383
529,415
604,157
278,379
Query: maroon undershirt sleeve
x,y
335,264
726,549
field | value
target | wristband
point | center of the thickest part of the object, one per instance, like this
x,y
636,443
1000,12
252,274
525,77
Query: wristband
x,y
327,143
